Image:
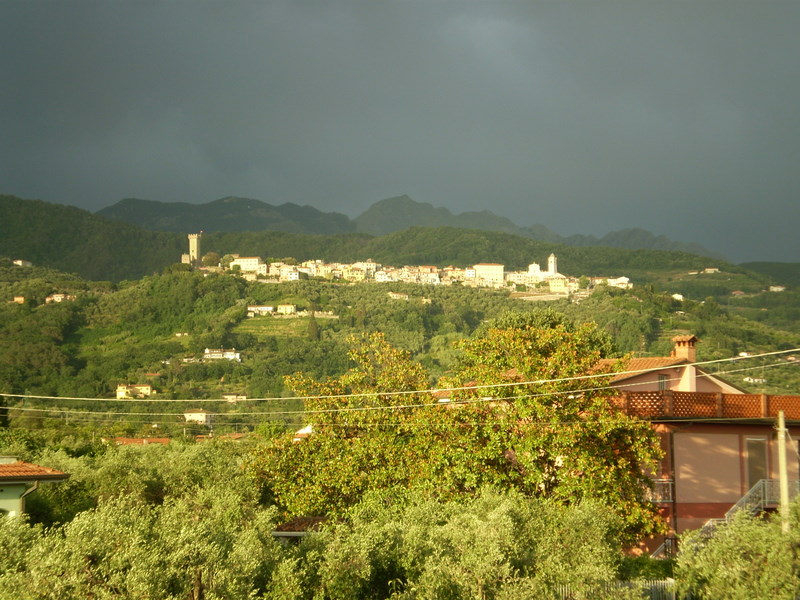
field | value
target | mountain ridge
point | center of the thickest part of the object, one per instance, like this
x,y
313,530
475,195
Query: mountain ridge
x,y
231,214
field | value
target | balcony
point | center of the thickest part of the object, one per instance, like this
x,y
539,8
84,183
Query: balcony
x,y
667,404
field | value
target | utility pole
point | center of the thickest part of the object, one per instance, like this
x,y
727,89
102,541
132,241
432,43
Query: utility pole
x,y
783,473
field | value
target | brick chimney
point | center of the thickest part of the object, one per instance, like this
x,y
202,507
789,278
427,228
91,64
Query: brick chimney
x,y
685,347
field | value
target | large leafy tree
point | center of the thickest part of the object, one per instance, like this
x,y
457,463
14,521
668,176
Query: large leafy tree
x,y
364,432
544,400
521,415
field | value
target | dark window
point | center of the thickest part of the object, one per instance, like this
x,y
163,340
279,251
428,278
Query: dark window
x,y
756,460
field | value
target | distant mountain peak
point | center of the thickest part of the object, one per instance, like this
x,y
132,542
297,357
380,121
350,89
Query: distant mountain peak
x,y
401,212
231,213
234,213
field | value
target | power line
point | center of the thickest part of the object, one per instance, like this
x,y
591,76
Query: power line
x,y
403,392
355,409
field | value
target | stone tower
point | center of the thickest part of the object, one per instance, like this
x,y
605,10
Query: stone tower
x,y
552,264
194,248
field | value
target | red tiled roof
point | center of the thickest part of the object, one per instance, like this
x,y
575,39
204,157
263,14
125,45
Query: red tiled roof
x,y
639,364
23,471
123,441
302,524
685,338
223,436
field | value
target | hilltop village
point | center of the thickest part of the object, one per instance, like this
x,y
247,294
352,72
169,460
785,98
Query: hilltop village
x,y
488,275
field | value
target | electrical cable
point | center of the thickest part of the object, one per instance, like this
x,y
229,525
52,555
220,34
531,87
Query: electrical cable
x,y
405,392
354,409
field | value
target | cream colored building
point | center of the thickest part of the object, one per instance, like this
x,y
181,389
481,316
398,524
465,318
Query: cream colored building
x,y
134,390
222,354
198,415
492,274
287,309
249,264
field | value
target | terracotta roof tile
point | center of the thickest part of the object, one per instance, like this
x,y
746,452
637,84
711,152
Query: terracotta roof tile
x,y
123,441
23,471
685,338
640,364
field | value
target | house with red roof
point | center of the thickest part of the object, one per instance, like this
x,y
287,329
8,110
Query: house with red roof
x,y
718,441
676,372
18,479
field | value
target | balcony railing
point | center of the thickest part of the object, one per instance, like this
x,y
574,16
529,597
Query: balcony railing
x,y
661,492
763,495
668,404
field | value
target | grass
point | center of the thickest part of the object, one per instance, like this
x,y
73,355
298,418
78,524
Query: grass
x,y
273,326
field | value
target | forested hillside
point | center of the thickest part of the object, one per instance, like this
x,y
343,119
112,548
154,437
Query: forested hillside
x,y
226,214
383,217
128,332
779,273
398,484
74,240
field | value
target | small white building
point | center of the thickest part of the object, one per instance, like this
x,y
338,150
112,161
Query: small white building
x,y
369,267
231,398
383,276
134,390
289,273
198,415
221,354
57,298
620,282
249,264
287,309
304,433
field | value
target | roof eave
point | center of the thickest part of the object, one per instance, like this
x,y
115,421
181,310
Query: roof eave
x,y
10,479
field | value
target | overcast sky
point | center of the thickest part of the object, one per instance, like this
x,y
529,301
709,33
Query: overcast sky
x,y
681,117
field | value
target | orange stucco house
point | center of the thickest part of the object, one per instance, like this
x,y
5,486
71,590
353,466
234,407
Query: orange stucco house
x,y
718,441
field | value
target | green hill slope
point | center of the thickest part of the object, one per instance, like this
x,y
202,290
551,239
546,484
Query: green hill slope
x,y
779,273
77,241
74,240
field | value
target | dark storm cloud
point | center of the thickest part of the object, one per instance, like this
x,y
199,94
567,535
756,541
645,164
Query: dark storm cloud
x,y
586,117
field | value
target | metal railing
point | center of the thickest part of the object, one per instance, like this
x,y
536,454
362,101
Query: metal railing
x,y
661,491
668,549
651,589
763,495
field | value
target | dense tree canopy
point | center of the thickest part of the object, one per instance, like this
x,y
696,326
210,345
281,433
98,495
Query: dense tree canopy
x,y
750,557
517,420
